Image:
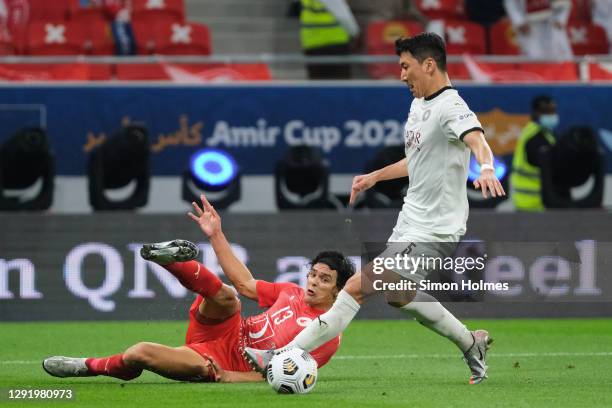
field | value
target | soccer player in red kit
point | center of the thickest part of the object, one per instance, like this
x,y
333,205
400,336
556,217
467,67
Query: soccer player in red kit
x,y
217,333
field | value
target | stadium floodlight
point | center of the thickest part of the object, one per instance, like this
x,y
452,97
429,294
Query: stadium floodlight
x,y
27,170
119,168
389,193
215,173
475,197
301,180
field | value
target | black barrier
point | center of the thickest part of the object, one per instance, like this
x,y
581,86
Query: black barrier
x,y
78,267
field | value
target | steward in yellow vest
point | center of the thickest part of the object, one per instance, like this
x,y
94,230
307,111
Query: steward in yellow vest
x,y
326,28
525,177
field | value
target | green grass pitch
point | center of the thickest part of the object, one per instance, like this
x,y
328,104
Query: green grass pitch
x,y
533,363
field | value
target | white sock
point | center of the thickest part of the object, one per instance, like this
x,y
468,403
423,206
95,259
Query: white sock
x,y
431,314
329,325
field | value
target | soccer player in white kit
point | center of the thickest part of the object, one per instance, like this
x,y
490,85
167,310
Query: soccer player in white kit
x,y
439,134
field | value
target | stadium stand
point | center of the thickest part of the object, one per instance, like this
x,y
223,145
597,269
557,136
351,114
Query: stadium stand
x,y
442,9
465,37
587,38
502,39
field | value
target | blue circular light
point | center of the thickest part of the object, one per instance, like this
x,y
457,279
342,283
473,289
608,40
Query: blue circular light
x,y
474,170
213,167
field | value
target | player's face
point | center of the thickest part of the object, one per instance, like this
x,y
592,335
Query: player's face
x,y
414,74
321,288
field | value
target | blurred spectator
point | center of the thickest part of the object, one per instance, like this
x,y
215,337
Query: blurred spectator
x,y
115,9
602,15
485,12
118,11
541,27
14,16
327,28
525,179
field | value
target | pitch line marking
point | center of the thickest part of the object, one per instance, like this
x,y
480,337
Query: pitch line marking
x,y
408,356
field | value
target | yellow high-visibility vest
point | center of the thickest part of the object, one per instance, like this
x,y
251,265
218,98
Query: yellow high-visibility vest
x,y
319,27
525,178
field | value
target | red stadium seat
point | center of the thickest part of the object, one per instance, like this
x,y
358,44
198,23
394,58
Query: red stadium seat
x,y
88,14
380,40
184,39
171,39
49,10
587,39
465,37
381,35
146,36
6,44
442,9
502,39
163,11
55,38
581,11
100,72
99,38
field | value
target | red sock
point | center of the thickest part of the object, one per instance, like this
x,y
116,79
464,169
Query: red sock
x,y
112,366
195,277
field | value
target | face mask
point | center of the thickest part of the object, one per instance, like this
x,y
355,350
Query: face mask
x,y
549,121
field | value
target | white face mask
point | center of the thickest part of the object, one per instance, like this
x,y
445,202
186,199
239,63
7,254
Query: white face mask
x,y
550,121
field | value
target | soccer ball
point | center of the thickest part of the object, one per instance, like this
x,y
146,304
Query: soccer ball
x,y
292,371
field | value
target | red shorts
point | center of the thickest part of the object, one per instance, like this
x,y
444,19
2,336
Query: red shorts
x,y
220,341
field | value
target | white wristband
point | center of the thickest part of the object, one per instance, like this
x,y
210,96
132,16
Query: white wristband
x,y
486,166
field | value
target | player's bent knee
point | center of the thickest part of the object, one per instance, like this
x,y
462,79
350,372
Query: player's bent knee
x,y
139,353
399,299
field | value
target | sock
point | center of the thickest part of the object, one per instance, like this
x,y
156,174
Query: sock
x,y
112,366
195,277
329,325
431,314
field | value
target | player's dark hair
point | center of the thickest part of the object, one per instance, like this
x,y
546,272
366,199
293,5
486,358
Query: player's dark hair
x,y
337,262
423,46
538,103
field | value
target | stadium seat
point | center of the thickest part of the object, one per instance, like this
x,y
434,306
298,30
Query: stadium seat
x,y
172,38
88,14
47,10
55,38
442,9
502,39
162,11
99,38
184,39
6,44
580,12
380,40
145,35
587,39
465,37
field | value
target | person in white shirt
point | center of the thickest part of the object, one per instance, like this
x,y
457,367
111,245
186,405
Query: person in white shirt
x,y
439,134
541,27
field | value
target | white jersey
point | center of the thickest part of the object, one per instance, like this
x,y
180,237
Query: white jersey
x,y
438,161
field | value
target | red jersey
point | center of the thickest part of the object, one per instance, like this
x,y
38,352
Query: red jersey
x,y
287,315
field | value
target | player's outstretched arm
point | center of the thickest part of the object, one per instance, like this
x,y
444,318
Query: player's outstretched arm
x,y
366,181
210,223
225,376
480,148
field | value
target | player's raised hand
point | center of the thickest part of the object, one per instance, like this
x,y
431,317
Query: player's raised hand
x,y
206,216
360,183
489,182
